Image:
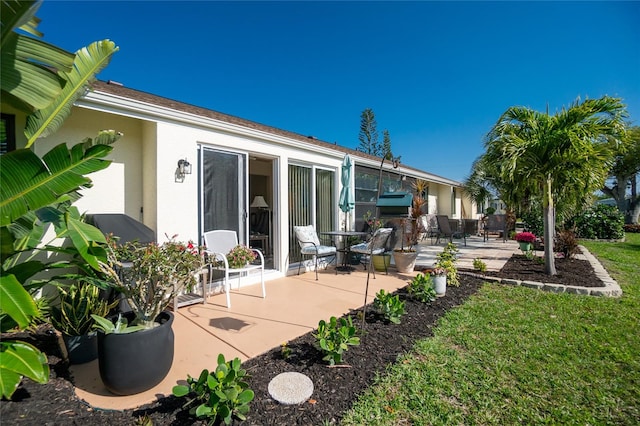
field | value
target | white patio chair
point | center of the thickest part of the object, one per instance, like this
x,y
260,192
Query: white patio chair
x,y
218,243
310,245
375,245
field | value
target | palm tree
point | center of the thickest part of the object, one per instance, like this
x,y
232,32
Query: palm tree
x,y
569,152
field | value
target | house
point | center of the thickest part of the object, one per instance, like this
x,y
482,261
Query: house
x,y
184,170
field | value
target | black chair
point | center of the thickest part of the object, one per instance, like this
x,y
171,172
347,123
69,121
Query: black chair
x,y
376,245
444,230
495,223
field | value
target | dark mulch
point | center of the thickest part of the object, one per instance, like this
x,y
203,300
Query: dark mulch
x,y
575,272
335,389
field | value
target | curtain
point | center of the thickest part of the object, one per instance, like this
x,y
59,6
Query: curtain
x,y
299,205
304,197
325,202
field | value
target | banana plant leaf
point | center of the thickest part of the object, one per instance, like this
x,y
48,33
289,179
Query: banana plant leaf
x,y
89,61
27,79
19,359
30,183
16,302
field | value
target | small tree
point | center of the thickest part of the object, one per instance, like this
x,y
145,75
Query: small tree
x,y
368,135
564,156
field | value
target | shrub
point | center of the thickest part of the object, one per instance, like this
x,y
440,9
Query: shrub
x,y
447,260
632,228
479,265
220,394
389,306
566,243
601,222
533,222
335,337
421,288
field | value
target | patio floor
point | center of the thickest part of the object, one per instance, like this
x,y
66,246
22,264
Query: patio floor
x,y
254,325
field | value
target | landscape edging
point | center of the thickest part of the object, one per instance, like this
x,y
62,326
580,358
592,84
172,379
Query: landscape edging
x,y
610,287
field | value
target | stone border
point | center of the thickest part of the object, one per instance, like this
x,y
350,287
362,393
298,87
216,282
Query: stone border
x,y
610,288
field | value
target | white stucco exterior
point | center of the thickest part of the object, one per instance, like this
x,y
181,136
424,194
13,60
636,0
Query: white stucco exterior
x,y
141,180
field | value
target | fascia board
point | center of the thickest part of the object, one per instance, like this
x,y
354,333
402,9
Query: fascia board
x,y
119,105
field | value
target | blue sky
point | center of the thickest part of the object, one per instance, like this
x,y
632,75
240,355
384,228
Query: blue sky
x,y
437,74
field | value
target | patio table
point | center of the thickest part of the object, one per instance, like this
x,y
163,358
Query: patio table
x,y
346,249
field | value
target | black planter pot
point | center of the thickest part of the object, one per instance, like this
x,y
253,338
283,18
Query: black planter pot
x,y
81,349
131,363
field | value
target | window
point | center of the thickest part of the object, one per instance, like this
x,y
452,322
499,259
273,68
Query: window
x,y
7,133
366,190
453,202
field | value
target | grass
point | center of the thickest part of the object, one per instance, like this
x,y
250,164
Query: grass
x,y
514,355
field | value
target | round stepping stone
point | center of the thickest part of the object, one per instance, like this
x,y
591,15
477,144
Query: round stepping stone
x,y
290,388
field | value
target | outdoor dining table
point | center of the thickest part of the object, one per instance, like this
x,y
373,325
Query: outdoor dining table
x,y
346,248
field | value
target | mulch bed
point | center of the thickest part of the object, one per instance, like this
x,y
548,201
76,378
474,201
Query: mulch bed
x,y
335,389
574,272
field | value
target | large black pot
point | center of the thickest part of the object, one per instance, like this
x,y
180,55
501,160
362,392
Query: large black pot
x,y
131,363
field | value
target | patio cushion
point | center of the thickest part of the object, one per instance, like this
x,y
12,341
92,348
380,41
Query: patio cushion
x,y
376,245
319,250
307,236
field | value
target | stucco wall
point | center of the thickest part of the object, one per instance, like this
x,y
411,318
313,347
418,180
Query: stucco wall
x,y
108,194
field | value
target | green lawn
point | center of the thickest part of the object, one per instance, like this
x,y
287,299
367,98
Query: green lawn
x,y
514,355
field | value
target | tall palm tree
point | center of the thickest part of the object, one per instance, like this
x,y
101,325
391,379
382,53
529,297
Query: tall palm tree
x,y
569,152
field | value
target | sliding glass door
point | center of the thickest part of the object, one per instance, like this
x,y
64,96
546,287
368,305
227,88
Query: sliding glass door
x,y
223,198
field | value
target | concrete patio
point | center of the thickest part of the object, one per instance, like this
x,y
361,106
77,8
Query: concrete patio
x,y
254,325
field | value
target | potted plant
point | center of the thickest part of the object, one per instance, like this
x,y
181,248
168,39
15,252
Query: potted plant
x,y
240,256
382,261
71,316
149,277
525,240
405,257
446,260
439,277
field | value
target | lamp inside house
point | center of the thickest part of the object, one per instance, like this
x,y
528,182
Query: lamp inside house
x,y
260,203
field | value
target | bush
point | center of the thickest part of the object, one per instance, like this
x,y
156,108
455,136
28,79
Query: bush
x,y
335,337
632,228
389,306
220,394
447,260
421,288
566,243
533,222
600,222
479,265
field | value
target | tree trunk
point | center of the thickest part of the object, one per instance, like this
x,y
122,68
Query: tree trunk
x,y
634,211
549,227
634,208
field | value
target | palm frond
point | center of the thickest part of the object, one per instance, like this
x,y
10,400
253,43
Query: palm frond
x,y
88,63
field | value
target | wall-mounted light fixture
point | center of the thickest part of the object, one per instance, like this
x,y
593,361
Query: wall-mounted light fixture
x,y
184,168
